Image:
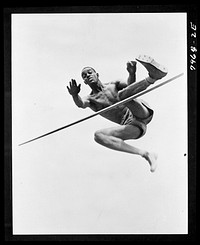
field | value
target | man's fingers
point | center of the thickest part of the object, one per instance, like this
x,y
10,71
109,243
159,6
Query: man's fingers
x,y
74,82
132,63
69,90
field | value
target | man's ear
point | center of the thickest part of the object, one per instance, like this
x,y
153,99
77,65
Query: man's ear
x,y
98,75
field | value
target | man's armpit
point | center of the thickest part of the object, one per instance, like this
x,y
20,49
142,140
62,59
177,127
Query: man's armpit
x,y
86,102
120,85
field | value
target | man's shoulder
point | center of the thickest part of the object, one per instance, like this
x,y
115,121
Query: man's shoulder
x,y
116,82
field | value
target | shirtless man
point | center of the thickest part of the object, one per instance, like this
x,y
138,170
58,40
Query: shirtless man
x,y
132,117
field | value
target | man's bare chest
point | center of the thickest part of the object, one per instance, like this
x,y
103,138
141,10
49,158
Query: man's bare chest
x,y
104,98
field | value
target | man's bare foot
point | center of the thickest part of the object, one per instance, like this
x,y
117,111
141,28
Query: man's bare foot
x,y
131,67
151,158
156,70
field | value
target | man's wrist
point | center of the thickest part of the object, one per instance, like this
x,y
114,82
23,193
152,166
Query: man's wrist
x,y
132,74
75,95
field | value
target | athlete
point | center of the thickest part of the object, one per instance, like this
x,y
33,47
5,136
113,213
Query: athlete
x,y
132,117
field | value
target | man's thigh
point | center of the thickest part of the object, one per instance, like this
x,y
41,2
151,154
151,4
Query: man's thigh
x,y
124,132
138,109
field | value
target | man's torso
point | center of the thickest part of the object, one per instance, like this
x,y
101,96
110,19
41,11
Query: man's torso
x,y
108,96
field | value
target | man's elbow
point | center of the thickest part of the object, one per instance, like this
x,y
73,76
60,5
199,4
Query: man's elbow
x,y
82,105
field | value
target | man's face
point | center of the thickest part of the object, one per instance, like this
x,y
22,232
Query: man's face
x,y
89,75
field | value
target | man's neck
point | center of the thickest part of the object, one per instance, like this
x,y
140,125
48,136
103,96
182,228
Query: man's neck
x,y
96,87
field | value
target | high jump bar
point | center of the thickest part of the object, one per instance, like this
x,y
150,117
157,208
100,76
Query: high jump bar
x,y
132,97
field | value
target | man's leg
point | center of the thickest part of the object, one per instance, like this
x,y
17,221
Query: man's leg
x,y
155,71
113,138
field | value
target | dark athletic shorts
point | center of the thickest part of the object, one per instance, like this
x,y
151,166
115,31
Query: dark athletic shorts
x,y
130,119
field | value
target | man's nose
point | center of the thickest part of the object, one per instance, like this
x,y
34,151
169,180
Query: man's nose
x,y
88,75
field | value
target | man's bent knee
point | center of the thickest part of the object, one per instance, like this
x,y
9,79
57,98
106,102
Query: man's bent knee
x,y
98,136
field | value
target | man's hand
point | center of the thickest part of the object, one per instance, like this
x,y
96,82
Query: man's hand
x,y
131,67
73,88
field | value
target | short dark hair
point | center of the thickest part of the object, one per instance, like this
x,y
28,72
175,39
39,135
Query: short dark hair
x,y
88,67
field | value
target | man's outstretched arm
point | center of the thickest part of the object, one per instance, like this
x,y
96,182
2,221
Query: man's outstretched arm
x,y
131,68
132,86
74,90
